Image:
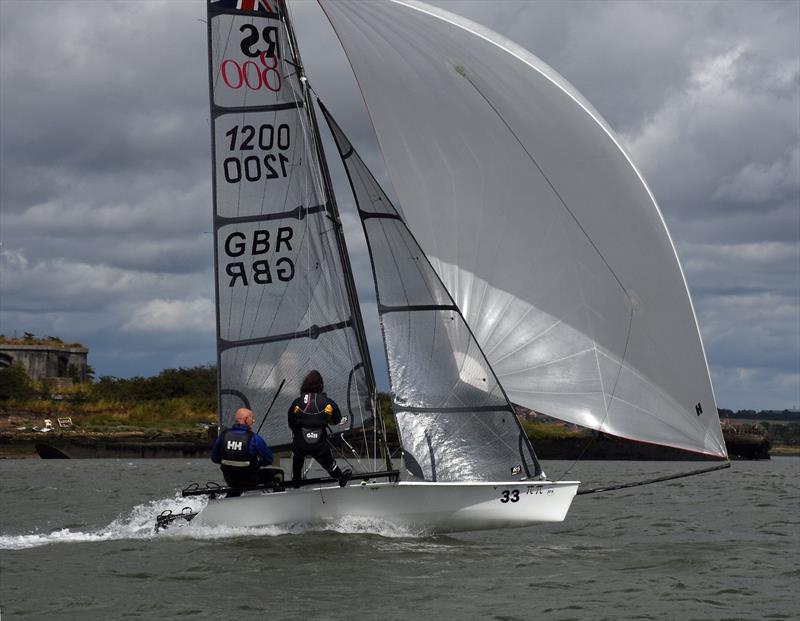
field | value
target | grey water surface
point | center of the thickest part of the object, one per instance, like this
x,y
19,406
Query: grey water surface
x,y
76,542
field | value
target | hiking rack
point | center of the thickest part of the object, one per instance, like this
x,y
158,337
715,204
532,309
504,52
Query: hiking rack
x,y
214,489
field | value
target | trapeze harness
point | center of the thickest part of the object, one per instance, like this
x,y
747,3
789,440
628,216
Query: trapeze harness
x,y
313,421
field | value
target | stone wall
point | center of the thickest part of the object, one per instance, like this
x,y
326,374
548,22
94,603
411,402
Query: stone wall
x,y
46,361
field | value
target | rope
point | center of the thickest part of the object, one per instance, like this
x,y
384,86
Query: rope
x,y
611,488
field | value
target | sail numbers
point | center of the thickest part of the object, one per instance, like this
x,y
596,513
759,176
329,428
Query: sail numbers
x,y
260,73
268,137
248,74
510,495
250,168
258,243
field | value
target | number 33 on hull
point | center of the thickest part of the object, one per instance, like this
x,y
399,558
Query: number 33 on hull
x,y
524,261
420,507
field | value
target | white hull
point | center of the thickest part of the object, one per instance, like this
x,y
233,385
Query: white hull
x,y
427,507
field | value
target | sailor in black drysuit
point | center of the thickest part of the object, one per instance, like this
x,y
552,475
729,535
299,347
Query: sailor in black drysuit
x,y
242,453
309,417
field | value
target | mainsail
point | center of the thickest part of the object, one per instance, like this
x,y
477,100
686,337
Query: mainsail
x,y
285,295
454,419
537,222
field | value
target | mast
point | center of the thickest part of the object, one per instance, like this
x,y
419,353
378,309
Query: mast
x,y
285,294
214,213
333,210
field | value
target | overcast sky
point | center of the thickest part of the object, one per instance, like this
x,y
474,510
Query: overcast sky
x,y
105,192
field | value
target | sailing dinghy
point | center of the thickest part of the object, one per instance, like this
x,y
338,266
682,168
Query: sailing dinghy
x,y
524,262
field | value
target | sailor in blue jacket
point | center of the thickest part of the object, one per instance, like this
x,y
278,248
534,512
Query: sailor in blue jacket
x,y
309,417
241,453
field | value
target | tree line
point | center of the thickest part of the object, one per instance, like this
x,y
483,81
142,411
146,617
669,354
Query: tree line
x,y
198,382
760,415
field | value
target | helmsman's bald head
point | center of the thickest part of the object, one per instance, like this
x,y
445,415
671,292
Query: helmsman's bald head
x,y
244,416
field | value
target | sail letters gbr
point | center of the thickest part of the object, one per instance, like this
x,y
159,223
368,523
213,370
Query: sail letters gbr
x,y
255,269
255,109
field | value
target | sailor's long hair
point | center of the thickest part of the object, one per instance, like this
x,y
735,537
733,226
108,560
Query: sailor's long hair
x,y
313,383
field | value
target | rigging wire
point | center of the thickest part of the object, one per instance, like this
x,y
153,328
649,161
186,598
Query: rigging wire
x,y
399,237
310,184
324,186
671,477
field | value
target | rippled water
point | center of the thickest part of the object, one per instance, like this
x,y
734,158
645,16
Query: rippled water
x,y
76,542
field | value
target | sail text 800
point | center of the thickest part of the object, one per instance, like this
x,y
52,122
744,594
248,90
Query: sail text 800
x,y
504,272
284,288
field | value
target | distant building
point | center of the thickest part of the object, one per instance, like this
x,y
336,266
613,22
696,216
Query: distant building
x,y
60,363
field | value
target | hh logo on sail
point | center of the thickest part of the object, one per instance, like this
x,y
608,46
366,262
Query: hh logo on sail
x,y
258,268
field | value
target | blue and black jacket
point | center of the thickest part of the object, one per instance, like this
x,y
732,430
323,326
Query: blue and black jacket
x,y
238,447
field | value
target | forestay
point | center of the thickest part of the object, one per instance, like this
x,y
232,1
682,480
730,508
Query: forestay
x,y
282,277
537,222
454,420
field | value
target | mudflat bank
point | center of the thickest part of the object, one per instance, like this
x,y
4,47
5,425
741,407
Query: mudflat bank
x,y
22,431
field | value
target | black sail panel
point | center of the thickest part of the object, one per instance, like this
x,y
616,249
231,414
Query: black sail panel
x,y
454,419
281,282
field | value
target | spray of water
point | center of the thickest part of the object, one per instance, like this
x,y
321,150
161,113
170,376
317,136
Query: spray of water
x,y
139,523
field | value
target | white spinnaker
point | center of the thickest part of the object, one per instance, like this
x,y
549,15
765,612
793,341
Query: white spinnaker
x,y
538,223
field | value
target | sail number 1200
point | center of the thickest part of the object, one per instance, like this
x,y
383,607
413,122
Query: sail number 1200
x,y
246,138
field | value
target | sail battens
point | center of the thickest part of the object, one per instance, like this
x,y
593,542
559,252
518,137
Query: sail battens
x,y
312,332
383,309
366,215
458,424
218,111
283,291
298,213
451,410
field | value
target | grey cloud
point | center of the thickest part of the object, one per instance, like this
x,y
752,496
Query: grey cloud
x,y
105,193
740,224
61,284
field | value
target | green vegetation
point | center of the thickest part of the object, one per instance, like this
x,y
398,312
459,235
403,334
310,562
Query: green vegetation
x,y
173,400
386,412
180,399
16,384
29,338
549,431
787,434
197,383
758,415
782,426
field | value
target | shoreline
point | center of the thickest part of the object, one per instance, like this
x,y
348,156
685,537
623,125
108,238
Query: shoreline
x,y
79,445
154,444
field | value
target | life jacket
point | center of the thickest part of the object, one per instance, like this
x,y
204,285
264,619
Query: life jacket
x,y
313,419
235,449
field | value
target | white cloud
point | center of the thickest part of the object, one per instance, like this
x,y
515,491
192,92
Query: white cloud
x,y
172,316
105,192
716,138
754,388
62,285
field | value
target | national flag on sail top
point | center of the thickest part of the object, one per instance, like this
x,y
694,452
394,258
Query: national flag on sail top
x,y
262,6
